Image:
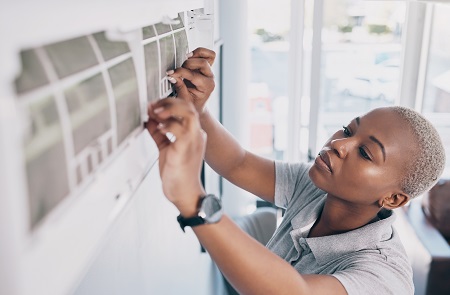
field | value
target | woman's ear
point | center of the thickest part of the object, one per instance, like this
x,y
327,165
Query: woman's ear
x,y
395,201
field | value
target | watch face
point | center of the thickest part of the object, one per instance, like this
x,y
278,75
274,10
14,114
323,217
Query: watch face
x,y
211,209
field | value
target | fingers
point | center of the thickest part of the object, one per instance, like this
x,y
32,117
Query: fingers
x,y
160,139
198,64
194,81
173,112
173,126
180,87
202,83
205,53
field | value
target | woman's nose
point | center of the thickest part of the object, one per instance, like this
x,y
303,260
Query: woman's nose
x,y
340,146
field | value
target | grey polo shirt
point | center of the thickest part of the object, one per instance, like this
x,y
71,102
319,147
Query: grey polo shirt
x,y
367,260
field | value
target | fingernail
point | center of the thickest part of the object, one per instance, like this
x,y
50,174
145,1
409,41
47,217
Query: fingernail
x,y
170,72
158,110
160,126
172,80
190,54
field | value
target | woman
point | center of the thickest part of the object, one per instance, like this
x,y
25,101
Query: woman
x,y
336,236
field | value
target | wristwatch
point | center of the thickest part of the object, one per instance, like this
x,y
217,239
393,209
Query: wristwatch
x,y
209,211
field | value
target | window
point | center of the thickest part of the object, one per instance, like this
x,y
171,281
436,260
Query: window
x,y
360,61
436,95
269,25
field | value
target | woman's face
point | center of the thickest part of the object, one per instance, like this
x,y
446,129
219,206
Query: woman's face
x,y
366,160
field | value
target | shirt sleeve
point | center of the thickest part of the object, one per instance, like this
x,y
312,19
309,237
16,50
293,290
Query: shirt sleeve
x,y
378,276
288,178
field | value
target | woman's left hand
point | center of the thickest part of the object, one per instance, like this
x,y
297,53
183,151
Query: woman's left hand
x,y
180,157
194,81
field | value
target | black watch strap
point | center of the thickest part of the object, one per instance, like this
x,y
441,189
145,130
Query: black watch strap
x,y
191,221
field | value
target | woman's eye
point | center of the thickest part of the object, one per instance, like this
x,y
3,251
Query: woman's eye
x,y
364,154
346,131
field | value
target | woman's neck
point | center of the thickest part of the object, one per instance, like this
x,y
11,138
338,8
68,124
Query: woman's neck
x,y
339,216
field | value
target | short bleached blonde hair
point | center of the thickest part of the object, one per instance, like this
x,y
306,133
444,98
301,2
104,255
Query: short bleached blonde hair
x,y
429,161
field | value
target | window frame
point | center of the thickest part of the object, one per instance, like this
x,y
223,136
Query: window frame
x,y
413,76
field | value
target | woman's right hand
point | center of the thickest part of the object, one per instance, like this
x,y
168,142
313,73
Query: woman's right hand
x,y
180,157
194,81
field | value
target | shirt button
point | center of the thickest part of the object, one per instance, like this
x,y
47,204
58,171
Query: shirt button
x,y
303,244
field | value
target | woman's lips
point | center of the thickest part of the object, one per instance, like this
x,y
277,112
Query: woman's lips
x,y
323,161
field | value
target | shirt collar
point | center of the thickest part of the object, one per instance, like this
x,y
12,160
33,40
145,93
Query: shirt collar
x,y
308,215
331,247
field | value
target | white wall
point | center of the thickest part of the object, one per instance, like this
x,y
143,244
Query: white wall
x,y
236,71
145,251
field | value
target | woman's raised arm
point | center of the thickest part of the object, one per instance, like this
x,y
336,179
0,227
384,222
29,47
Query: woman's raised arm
x,y
194,82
